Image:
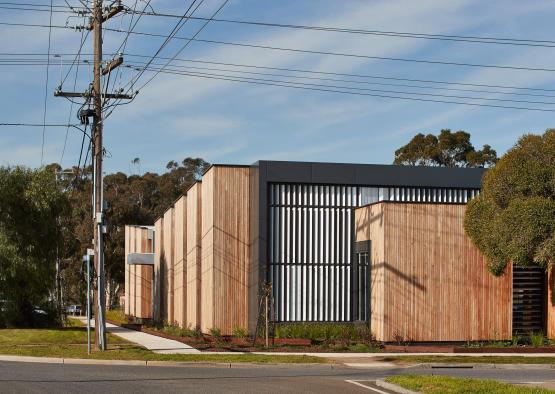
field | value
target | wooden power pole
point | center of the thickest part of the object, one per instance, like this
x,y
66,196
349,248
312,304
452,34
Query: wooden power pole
x,y
100,304
96,96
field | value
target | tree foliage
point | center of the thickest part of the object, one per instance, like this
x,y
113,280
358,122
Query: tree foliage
x,y
34,214
448,149
46,215
513,219
134,199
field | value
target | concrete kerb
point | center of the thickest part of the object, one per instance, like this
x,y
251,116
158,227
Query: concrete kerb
x,y
153,363
393,387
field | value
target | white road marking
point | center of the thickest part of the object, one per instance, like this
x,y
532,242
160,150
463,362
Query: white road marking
x,y
366,387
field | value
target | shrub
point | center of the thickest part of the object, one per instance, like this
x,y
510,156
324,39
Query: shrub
x,y
325,332
239,332
537,339
175,330
216,333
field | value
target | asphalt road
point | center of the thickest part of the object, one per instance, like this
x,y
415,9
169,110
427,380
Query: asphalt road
x,y
60,378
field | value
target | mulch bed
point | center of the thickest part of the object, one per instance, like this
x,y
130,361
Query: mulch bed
x,y
230,344
462,349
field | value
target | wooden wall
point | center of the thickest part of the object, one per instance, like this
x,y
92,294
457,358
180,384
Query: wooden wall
x,y
128,301
369,225
207,251
432,281
159,297
138,278
550,304
180,265
257,273
167,266
193,256
225,249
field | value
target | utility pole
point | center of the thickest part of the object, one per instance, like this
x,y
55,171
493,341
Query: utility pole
x,y
96,96
99,324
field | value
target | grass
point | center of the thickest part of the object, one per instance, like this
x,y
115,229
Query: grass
x,y
70,342
324,331
451,385
471,359
117,316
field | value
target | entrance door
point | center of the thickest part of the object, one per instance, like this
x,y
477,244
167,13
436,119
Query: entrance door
x,y
361,281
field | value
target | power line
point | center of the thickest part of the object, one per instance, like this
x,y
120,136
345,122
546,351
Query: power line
x,y
293,85
130,29
168,38
81,152
296,70
123,45
296,50
2,3
139,64
427,36
40,62
76,59
78,56
445,37
46,85
187,43
142,65
352,55
373,90
68,11
43,125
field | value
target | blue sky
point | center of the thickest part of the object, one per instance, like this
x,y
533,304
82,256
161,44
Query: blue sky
x,y
227,122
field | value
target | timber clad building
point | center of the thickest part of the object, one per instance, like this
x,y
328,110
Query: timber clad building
x,y
380,244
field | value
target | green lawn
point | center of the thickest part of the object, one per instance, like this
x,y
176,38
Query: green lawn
x,y
451,385
116,316
71,342
471,359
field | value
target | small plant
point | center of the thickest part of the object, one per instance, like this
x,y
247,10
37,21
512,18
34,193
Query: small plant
x,y
537,339
398,338
239,332
216,333
516,340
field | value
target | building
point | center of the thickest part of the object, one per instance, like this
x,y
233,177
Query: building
x,y
139,260
305,228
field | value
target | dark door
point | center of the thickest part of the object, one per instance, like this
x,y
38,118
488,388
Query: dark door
x,y
361,281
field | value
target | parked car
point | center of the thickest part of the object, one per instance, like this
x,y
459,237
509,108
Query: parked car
x,y
74,310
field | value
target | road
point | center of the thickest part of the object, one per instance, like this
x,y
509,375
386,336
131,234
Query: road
x,y
67,378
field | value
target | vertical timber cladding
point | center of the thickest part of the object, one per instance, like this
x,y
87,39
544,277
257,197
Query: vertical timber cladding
x,y
159,263
167,265
127,306
225,248
309,248
138,278
550,307
180,265
435,285
193,256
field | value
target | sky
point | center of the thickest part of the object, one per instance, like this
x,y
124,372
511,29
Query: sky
x,y
176,116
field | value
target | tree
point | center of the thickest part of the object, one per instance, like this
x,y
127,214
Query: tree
x,y
446,150
513,218
34,215
134,199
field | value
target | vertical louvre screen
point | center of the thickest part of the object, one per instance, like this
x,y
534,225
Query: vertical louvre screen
x,y
309,248
528,289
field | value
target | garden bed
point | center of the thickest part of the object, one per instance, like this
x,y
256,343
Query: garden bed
x,y
465,349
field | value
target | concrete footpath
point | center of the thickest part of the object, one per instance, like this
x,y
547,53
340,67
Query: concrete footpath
x,y
151,342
